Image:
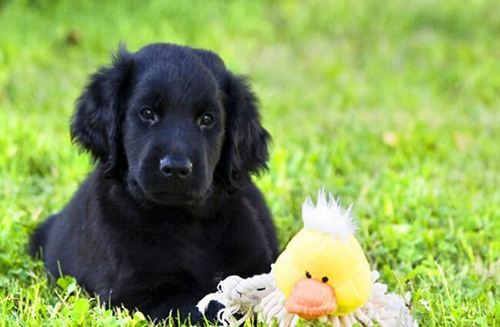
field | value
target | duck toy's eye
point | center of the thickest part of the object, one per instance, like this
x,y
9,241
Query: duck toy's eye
x,y
324,279
308,275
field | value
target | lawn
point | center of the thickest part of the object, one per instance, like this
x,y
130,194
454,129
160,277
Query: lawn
x,y
392,105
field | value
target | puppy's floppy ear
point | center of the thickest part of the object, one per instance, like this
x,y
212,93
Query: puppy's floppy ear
x,y
95,124
246,146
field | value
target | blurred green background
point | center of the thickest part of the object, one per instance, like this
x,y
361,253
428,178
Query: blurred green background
x,y
393,105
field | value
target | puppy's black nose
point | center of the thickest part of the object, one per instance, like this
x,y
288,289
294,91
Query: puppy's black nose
x,y
175,167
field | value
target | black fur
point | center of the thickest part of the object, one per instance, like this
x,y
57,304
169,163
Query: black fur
x,y
137,236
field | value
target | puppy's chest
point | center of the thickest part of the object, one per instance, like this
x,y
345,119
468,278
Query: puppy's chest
x,y
175,249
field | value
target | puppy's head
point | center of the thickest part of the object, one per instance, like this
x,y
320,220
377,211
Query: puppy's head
x,y
172,123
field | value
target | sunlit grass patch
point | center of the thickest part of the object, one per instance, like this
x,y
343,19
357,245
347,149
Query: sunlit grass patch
x,y
393,106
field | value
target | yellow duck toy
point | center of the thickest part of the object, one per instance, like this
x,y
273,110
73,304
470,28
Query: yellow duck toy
x,y
322,274
323,270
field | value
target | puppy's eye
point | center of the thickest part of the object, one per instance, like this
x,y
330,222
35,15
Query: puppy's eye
x,y
147,113
206,119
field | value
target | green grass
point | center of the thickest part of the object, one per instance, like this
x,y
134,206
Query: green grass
x,y
393,105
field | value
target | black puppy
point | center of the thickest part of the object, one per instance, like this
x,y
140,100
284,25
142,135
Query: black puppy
x,y
170,208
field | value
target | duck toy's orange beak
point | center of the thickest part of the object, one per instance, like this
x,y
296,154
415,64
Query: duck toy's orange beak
x,y
310,299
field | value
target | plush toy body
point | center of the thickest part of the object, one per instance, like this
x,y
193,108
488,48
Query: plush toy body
x,y
322,274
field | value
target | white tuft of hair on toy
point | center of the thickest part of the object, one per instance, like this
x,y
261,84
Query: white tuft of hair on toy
x,y
327,216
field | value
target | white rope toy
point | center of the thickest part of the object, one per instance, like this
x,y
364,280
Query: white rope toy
x,y
260,296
